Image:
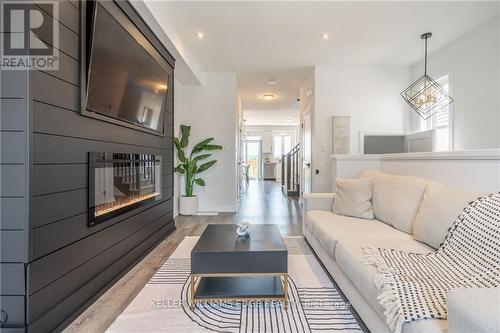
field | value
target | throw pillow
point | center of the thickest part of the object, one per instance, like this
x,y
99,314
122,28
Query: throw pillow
x,y
353,198
440,207
396,198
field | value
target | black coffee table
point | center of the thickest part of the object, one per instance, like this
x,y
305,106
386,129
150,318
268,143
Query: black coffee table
x,y
225,267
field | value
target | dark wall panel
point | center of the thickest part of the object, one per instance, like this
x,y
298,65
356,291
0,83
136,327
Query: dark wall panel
x,y
58,234
53,178
70,263
51,90
58,206
13,246
12,280
14,194
13,113
51,149
51,320
13,180
13,214
68,40
54,293
47,117
69,14
13,147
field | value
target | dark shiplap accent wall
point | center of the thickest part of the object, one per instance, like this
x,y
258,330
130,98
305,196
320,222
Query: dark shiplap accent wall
x,y
14,194
67,263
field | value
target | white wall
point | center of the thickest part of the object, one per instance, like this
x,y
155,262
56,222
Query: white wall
x,y
369,95
256,129
473,170
211,109
473,63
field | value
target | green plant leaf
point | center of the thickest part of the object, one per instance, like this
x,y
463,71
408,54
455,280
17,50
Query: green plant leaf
x,y
179,169
180,151
199,146
181,156
185,132
205,166
201,157
192,168
212,147
199,181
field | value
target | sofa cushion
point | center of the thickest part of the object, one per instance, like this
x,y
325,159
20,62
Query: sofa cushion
x,y
349,256
353,197
329,228
396,198
439,208
473,310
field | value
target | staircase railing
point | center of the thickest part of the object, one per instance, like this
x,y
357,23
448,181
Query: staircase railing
x,y
290,173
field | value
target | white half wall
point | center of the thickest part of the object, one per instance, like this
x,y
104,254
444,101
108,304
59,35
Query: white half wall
x,y
473,65
475,170
211,109
369,95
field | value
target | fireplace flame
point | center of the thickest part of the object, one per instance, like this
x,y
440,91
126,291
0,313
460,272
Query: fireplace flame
x,y
120,203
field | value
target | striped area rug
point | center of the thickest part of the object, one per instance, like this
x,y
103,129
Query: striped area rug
x,y
315,304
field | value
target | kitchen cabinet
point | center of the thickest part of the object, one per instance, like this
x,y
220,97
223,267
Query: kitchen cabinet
x,y
270,170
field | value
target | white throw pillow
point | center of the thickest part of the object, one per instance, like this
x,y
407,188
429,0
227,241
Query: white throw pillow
x,y
353,198
439,209
396,198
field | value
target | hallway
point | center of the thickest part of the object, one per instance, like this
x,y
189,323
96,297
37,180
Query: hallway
x,y
264,202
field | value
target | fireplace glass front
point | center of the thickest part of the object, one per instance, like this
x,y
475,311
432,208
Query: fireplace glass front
x,y
119,182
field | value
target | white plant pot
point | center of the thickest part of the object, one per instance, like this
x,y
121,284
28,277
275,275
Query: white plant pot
x,y
188,205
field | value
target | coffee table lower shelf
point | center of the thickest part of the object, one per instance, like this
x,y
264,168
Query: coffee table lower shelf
x,y
239,287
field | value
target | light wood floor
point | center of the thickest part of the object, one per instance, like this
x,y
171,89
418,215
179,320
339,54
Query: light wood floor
x,y
263,202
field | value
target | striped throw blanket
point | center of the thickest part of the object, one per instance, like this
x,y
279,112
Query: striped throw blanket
x,y
414,286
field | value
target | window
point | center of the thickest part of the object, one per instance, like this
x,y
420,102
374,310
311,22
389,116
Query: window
x,y
441,121
287,143
277,146
282,144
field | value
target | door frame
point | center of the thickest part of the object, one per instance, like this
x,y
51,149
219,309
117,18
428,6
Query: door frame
x,y
307,114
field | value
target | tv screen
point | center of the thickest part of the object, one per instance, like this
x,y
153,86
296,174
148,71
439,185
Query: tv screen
x,y
126,79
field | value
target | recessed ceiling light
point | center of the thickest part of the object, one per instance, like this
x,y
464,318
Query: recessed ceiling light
x,y
201,35
268,97
325,36
271,82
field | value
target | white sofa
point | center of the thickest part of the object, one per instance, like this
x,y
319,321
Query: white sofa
x,y
405,209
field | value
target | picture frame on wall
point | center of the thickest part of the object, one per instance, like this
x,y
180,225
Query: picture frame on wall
x,y
341,126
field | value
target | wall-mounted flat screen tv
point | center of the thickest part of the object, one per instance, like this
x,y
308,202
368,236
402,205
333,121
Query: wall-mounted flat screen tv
x,y
127,78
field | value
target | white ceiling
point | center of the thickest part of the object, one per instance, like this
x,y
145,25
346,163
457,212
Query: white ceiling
x,y
253,85
273,117
264,39
262,35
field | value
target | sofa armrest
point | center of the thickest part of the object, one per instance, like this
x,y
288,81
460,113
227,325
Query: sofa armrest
x,y
473,310
318,201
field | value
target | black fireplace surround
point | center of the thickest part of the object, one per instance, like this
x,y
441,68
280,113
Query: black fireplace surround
x,y
119,182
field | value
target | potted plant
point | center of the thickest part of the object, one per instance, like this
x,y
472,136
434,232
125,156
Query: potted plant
x,y
189,168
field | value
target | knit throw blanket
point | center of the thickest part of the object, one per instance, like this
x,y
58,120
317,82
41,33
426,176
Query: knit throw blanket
x,y
413,286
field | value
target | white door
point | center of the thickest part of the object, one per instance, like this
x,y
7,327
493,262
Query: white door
x,y
306,152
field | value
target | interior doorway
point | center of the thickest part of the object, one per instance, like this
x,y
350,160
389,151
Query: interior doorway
x,y
252,155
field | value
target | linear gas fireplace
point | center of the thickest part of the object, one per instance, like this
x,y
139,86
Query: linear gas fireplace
x,y
119,182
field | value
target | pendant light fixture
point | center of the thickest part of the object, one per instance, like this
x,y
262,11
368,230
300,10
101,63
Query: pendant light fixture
x,y
425,96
